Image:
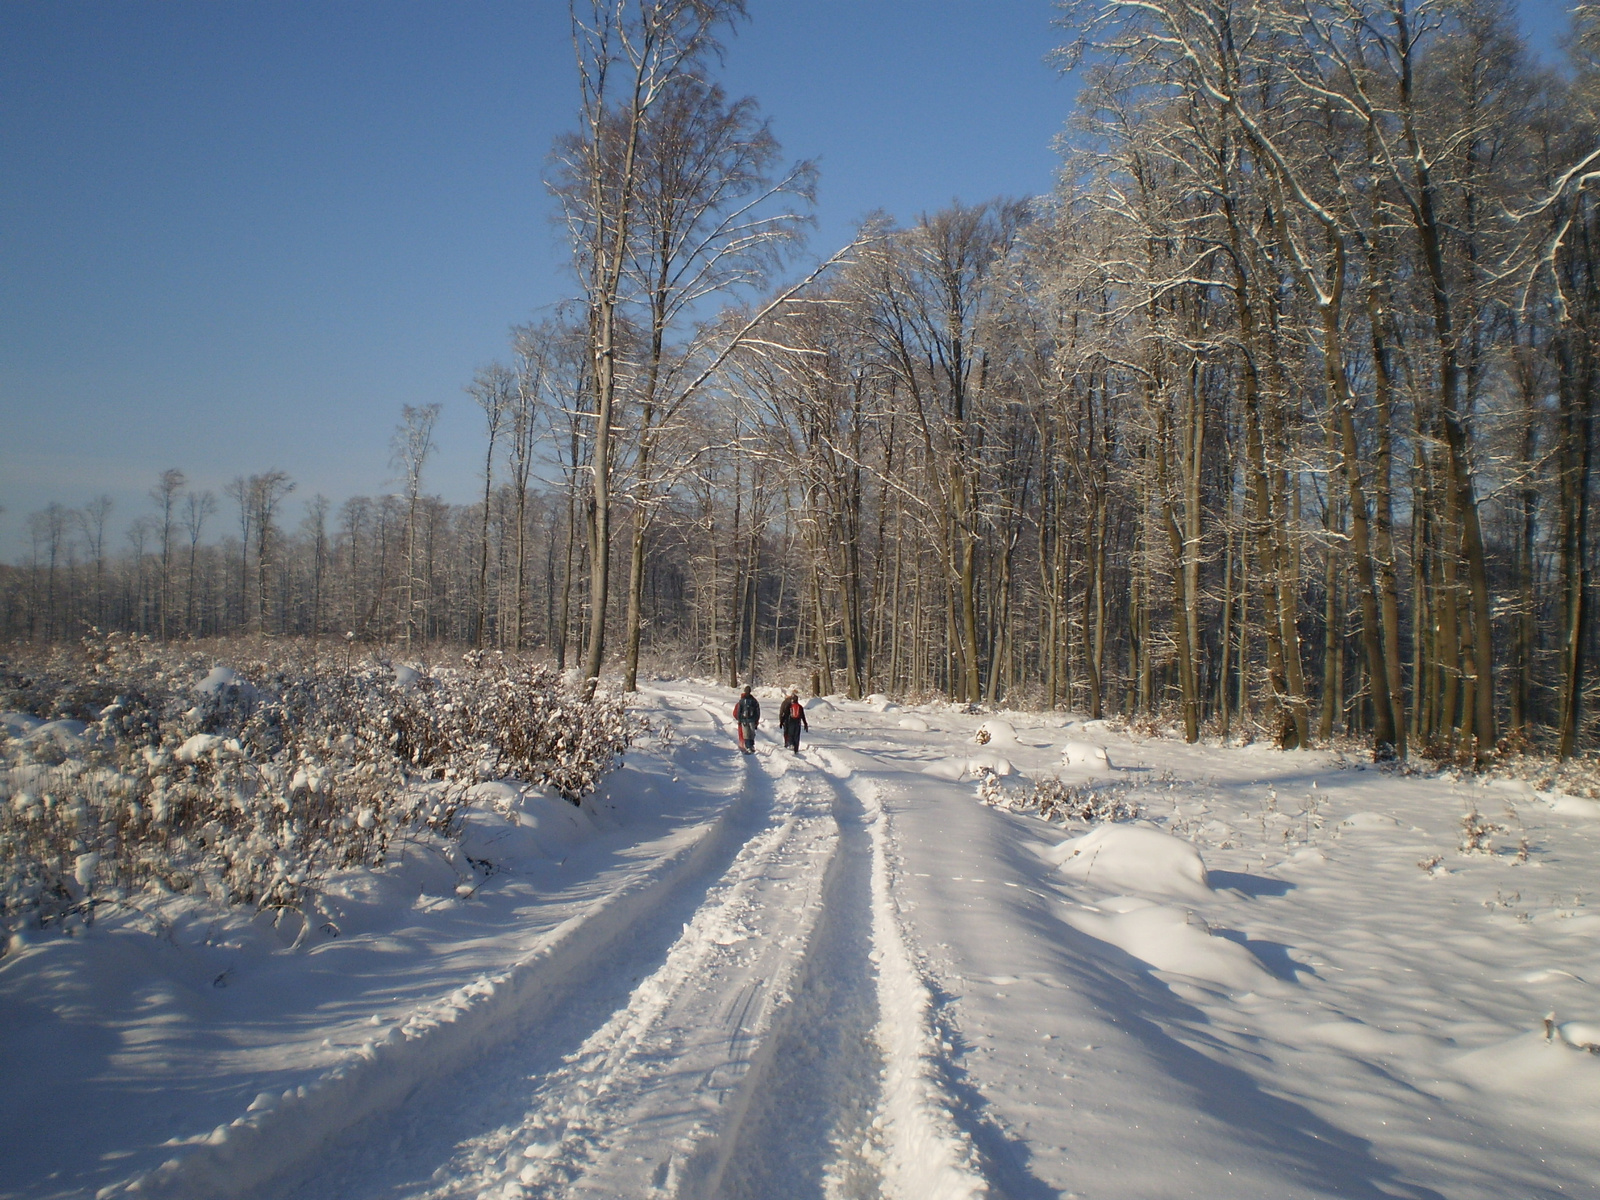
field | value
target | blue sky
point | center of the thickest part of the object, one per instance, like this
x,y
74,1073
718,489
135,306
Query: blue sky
x,y
238,236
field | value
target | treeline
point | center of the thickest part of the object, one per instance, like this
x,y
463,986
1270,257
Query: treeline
x,y
1276,418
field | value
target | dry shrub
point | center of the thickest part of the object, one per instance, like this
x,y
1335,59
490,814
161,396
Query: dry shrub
x,y
259,784
1058,801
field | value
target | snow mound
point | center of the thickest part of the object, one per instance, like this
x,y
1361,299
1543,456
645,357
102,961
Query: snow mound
x,y
1175,940
200,745
67,734
1531,1067
1086,754
220,679
1580,1035
979,763
1549,975
1368,820
406,675
1001,733
1135,858
16,724
878,702
915,724
1307,856
968,766
1573,806
818,706
508,822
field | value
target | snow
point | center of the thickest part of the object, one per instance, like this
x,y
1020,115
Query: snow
x,y
1574,806
1367,820
222,680
67,734
1086,754
15,724
1170,939
843,974
197,747
968,766
1137,858
997,732
218,679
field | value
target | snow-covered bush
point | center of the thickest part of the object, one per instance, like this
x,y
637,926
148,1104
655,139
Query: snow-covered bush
x,y
1058,801
155,767
1477,832
990,790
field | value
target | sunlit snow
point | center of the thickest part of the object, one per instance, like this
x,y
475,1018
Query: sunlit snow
x,y
843,973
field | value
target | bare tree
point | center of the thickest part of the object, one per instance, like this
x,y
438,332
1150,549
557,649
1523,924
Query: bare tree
x,y
705,226
629,53
317,530
493,387
165,494
93,517
198,507
265,492
413,442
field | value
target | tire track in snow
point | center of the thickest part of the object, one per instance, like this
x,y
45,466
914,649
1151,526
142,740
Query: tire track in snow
x,y
415,1144
801,1127
926,1154
848,1099
621,1113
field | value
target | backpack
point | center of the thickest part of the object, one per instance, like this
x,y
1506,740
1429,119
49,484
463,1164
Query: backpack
x,y
746,709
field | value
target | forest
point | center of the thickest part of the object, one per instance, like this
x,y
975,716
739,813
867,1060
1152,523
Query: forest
x,y
1274,420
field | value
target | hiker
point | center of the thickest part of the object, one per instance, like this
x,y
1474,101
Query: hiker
x,y
792,719
747,711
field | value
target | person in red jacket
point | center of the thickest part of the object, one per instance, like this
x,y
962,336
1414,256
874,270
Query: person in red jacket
x,y
792,719
747,711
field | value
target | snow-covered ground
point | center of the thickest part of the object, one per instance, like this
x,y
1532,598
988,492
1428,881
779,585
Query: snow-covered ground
x,y
846,974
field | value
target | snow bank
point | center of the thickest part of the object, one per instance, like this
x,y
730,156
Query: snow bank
x,y
1135,858
1172,939
818,706
878,702
1572,806
280,1129
509,823
914,724
928,1156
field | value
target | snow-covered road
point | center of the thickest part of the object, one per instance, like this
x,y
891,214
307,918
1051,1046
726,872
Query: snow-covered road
x,y
747,1057
842,974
